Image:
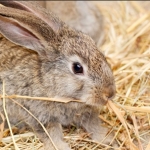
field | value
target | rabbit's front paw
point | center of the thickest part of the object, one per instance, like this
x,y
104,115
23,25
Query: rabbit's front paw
x,y
55,142
61,146
102,137
64,146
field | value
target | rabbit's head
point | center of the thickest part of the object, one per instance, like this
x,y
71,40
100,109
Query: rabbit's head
x,y
86,74
71,65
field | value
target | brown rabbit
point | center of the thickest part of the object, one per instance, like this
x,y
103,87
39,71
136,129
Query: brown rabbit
x,y
81,15
41,56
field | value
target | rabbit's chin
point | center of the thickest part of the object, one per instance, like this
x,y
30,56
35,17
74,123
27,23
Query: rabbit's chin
x,y
99,102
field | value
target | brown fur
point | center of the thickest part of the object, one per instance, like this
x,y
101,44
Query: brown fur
x,y
37,62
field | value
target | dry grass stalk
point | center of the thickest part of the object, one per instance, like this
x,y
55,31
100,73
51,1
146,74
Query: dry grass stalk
x,y
2,126
127,49
148,146
137,7
5,112
39,98
120,117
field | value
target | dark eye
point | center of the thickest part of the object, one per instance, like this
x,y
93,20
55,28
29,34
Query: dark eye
x,y
77,68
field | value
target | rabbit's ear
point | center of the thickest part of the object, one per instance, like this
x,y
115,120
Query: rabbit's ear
x,y
25,29
35,9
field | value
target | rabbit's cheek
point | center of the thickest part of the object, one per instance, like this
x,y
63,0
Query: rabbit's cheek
x,y
71,89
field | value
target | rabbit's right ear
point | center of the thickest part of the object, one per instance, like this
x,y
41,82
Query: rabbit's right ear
x,y
25,29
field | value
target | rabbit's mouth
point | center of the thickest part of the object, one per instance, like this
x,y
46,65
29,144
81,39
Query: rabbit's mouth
x,y
97,99
100,101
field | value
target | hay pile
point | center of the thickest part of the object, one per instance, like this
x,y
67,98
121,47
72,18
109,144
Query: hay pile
x,y
126,45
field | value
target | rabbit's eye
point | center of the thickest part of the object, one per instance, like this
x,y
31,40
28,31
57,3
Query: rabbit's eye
x,y
77,68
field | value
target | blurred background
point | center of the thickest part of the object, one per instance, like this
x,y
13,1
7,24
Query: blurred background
x,y
86,16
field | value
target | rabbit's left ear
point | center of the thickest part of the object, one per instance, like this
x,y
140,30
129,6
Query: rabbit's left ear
x,y
25,29
34,8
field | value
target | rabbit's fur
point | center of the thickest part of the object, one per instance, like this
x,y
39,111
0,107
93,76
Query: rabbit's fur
x,y
37,52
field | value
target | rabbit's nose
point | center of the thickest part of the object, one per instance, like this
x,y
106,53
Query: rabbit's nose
x,y
109,92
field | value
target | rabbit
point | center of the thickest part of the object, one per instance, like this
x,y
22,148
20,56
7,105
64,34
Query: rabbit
x,y
81,15
41,56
